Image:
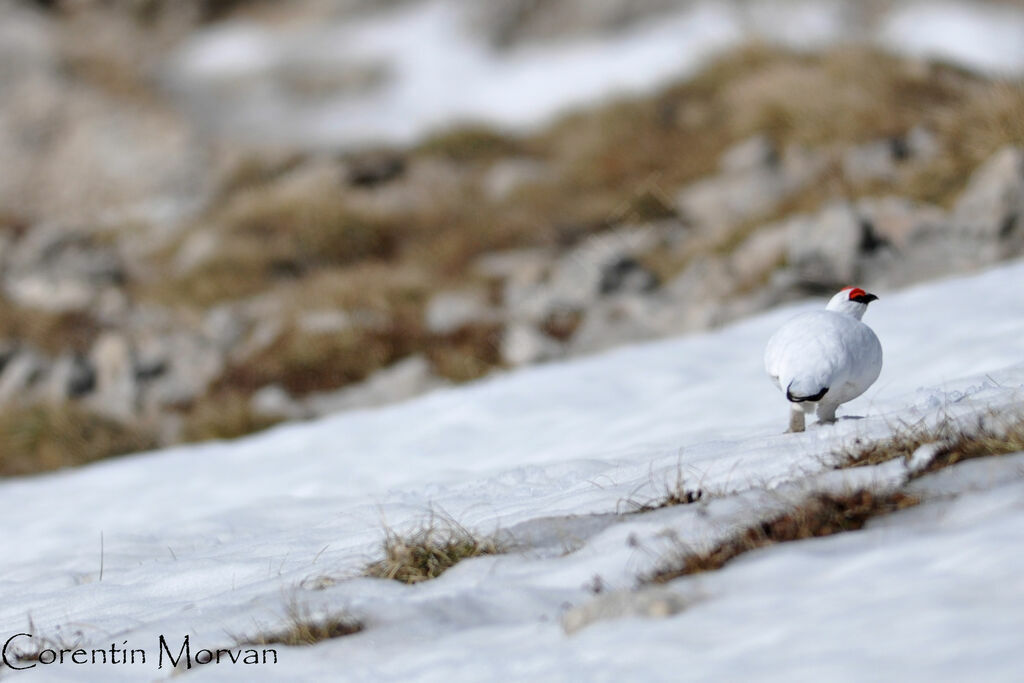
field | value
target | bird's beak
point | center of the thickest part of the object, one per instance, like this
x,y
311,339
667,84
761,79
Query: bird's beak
x,y
866,299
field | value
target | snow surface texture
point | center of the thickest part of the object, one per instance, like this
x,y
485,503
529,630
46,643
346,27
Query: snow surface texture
x,y
436,74
216,539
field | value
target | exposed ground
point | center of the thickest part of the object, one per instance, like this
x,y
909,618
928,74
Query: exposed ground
x,y
296,274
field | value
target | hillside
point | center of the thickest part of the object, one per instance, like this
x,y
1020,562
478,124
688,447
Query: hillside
x,y
559,470
220,215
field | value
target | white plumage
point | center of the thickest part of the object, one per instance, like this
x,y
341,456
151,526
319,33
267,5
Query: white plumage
x,y
822,359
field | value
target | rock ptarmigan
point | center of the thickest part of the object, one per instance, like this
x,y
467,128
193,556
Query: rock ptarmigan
x,y
822,359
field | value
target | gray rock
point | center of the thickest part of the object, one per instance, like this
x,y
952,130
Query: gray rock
x,y
647,603
325,321
406,378
20,374
521,266
184,367
627,318
274,402
70,377
626,274
921,144
902,222
601,265
58,268
873,161
753,153
50,292
752,183
224,326
523,344
8,348
884,160
117,391
752,262
990,212
448,311
506,176
197,249
511,22
824,249
919,239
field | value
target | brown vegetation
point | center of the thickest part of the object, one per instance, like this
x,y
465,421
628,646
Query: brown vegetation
x,y
431,550
302,628
823,514
990,434
40,438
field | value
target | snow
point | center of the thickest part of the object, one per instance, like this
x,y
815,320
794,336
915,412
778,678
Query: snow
x,y
436,73
216,539
988,38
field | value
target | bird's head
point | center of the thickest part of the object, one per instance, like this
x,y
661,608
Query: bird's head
x,y
851,301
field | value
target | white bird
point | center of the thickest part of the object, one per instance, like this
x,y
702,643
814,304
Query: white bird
x,y
822,359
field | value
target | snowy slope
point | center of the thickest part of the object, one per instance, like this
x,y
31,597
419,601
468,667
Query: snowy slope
x,y
212,540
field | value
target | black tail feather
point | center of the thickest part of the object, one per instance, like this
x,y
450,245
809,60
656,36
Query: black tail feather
x,y
804,399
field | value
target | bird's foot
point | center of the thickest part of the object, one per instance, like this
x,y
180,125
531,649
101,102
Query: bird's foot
x,y
796,421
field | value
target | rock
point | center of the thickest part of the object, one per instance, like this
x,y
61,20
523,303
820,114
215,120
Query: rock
x,y
8,349
921,144
920,241
873,161
601,265
224,326
275,403
45,292
117,392
506,176
753,261
70,377
626,274
24,369
373,169
512,22
57,268
624,319
902,222
406,378
753,153
824,249
990,212
521,266
522,344
447,312
198,248
265,332
326,321
187,365
649,603
882,160
753,182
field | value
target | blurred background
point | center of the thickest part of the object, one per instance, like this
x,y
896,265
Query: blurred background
x,y
216,215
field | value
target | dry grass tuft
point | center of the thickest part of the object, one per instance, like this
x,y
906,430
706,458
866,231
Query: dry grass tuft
x,y
674,493
20,653
42,437
990,435
823,514
303,628
431,550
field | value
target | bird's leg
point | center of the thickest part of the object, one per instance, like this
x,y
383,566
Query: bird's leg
x,y
796,420
827,412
